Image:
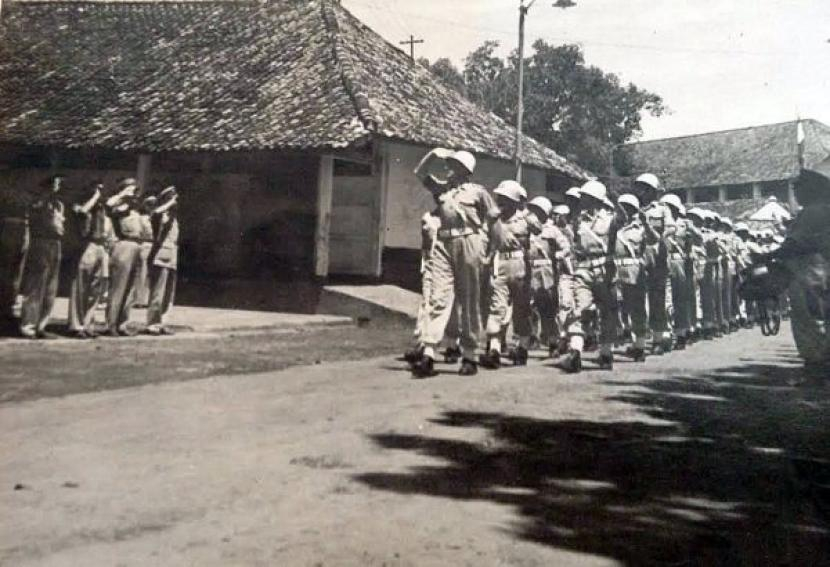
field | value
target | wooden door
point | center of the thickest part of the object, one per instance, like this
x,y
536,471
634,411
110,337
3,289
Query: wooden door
x,y
355,219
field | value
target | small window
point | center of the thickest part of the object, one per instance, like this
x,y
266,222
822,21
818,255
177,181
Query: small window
x,y
706,194
738,192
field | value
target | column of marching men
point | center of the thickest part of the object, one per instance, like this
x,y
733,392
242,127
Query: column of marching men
x,y
128,256
597,272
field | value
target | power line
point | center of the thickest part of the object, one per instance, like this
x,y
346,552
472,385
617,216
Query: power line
x,y
411,42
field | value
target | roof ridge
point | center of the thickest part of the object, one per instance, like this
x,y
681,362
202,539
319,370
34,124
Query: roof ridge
x,y
347,69
727,130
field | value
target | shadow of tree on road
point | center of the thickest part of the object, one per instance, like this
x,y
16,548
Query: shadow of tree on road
x,y
711,483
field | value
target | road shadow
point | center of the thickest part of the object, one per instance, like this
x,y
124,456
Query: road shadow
x,y
711,483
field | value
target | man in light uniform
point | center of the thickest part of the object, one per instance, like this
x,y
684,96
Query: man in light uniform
x,y
710,295
632,238
40,283
661,221
430,223
125,257
466,212
163,262
595,233
509,284
142,286
696,265
728,268
743,256
92,271
680,244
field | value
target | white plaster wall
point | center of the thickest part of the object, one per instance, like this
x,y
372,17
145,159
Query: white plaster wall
x,y
407,200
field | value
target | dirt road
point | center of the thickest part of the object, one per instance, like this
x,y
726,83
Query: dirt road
x,y
681,461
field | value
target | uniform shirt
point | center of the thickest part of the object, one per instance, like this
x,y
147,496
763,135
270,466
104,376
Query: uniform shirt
x,y
127,223
685,236
513,234
631,240
659,218
594,233
146,228
711,245
165,251
466,206
46,218
96,225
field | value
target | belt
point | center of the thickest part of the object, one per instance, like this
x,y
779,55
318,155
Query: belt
x,y
454,232
677,256
512,254
598,262
541,263
135,240
628,261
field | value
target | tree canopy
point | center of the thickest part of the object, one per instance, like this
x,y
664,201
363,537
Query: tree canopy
x,y
579,110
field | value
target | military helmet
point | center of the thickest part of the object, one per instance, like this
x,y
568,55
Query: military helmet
x,y
511,190
573,192
651,180
630,200
596,190
673,201
466,159
543,204
561,210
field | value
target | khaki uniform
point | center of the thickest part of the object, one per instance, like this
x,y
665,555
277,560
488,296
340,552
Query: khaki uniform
x,y
40,283
125,266
566,310
727,278
465,213
594,277
14,245
631,243
92,272
430,223
681,273
710,295
142,286
164,263
546,252
509,284
697,264
661,221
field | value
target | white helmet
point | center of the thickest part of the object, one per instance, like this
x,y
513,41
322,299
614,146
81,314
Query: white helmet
x,y
630,200
561,210
674,201
596,190
651,180
511,190
466,159
742,227
543,204
697,212
574,192
727,221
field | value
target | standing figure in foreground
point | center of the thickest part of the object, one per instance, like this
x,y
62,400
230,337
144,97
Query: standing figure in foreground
x,y
680,245
92,271
595,234
125,258
142,287
163,262
466,211
40,284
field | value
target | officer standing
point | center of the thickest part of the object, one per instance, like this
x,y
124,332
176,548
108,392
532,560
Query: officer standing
x,y
142,287
728,267
466,211
564,277
710,295
125,257
430,223
696,265
14,245
40,284
661,221
91,274
509,285
163,262
595,233
632,240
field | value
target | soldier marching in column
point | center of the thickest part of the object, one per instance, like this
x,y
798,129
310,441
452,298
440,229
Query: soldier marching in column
x,y
638,271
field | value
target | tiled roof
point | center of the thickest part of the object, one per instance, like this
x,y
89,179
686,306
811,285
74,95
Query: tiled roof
x,y
761,153
226,75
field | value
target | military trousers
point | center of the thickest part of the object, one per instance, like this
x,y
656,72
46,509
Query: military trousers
x,y
658,310
710,295
40,284
142,285
594,291
456,279
509,289
125,261
692,286
14,245
566,309
681,301
88,286
727,280
634,310
543,301
162,294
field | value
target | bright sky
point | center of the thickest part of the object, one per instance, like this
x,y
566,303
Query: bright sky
x,y
718,64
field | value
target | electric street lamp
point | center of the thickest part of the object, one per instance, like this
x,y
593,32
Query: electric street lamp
x,y
523,10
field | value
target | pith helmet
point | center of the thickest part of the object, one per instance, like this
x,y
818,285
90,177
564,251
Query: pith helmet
x,y
630,200
651,180
561,210
543,204
742,227
511,190
466,159
673,201
596,190
573,192
696,212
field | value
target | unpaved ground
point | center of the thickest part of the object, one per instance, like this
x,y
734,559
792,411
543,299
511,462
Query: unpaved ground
x,y
682,461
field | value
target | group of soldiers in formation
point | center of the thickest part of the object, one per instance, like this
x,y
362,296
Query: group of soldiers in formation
x,y
593,272
128,255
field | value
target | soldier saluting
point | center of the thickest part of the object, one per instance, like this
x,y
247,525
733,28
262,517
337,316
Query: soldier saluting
x,y
466,212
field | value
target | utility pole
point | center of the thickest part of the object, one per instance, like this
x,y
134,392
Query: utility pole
x,y
520,110
411,42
